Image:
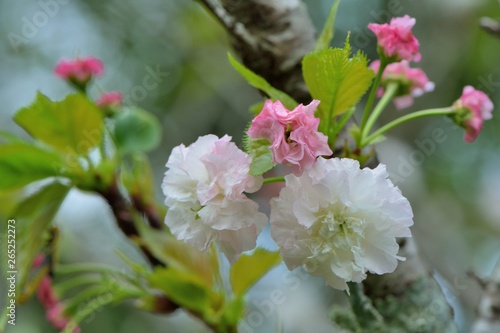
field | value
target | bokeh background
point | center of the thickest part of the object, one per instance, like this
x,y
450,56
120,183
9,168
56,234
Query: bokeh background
x,y
454,187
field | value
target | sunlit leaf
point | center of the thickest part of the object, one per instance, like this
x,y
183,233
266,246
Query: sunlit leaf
x,y
182,287
72,126
260,83
179,255
337,80
21,164
249,268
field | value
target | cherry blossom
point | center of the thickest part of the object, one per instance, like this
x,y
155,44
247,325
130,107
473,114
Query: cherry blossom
x,y
294,136
204,188
396,39
338,221
474,107
412,82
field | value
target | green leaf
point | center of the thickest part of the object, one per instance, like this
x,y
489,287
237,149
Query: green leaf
x,y
179,255
260,83
337,80
136,131
183,288
73,125
11,138
34,217
326,36
249,268
262,156
21,164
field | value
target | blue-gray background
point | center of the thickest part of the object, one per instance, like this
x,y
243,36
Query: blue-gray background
x,y
454,187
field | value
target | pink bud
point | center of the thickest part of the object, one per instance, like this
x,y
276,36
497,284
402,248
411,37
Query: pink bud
x,y
412,82
79,70
476,107
396,39
110,99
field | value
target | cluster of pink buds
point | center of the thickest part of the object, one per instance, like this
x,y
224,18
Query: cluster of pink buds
x,y
397,47
80,71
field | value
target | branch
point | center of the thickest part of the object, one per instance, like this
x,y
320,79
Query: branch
x,y
489,308
271,37
284,35
125,213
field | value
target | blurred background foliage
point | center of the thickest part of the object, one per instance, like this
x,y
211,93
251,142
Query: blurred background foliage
x,y
454,187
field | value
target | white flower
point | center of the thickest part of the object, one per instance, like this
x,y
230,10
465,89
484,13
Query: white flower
x,y
338,221
204,187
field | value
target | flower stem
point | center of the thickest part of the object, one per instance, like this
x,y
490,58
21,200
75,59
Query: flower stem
x,y
388,95
373,92
274,180
406,118
340,125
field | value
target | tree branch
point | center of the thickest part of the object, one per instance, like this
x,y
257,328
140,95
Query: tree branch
x,y
489,308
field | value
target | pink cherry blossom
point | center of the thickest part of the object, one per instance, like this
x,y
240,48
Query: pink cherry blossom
x,y
79,70
413,82
396,39
477,108
53,307
294,135
110,99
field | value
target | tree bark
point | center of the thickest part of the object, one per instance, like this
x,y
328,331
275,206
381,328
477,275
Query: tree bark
x,y
489,308
272,37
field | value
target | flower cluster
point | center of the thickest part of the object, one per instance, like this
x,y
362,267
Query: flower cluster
x,y
338,221
333,218
412,82
294,135
397,47
204,188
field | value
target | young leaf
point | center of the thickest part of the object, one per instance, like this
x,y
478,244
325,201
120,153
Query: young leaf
x,y
249,268
326,36
183,288
21,164
260,83
33,219
337,80
262,157
136,131
73,125
179,255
